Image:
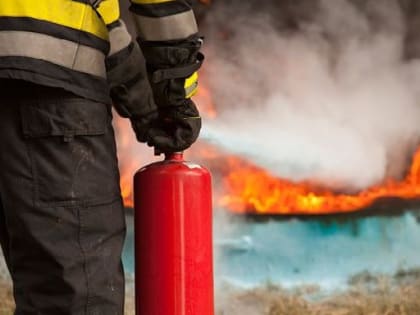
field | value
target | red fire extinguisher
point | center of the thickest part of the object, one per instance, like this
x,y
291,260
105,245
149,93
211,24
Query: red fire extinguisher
x,y
173,238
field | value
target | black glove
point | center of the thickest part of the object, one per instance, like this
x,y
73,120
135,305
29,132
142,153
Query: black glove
x,y
176,129
164,118
167,128
172,68
169,66
130,89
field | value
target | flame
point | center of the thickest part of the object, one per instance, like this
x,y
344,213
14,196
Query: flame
x,y
251,189
126,183
128,164
204,98
205,101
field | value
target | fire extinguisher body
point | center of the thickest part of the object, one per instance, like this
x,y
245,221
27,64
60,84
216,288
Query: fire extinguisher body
x,y
173,239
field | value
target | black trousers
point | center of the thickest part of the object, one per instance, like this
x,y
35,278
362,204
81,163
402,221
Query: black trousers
x,y
62,222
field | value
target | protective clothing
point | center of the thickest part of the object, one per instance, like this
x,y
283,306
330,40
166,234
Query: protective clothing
x,y
172,64
176,129
64,43
62,222
61,216
171,127
168,38
130,89
77,45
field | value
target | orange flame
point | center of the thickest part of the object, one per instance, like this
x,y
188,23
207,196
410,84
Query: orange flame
x,y
128,163
251,189
126,183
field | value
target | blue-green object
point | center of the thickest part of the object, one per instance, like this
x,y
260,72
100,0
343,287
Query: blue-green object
x,y
322,252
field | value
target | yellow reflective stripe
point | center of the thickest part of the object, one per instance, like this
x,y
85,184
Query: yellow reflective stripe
x,y
191,80
191,85
119,38
172,27
109,11
150,1
72,14
61,52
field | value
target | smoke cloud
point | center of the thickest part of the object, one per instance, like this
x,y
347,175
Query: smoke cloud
x,y
315,90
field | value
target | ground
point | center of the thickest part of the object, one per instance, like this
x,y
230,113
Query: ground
x,y
7,304
367,295
6,301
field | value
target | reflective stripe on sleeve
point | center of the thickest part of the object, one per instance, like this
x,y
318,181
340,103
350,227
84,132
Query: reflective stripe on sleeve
x,y
72,14
177,26
119,38
57,51
109,11
191,85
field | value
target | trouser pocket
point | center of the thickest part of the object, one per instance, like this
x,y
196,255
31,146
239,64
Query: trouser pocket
x,y
72,150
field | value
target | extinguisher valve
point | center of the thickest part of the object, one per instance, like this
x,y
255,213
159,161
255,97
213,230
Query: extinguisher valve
x,y
173,156
176,156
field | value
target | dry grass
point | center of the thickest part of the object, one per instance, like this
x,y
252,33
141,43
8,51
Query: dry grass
x,y
368,295
273,301
6,299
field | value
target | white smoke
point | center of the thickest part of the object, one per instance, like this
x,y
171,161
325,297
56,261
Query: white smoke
x,y
332,100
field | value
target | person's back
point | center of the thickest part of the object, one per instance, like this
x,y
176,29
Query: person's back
x,y
62,64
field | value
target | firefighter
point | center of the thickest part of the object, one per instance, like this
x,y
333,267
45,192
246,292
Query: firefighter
x,y
62,64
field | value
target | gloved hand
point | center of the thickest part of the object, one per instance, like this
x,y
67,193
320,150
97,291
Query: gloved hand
x,y
175,129
160,110
172,69
129,85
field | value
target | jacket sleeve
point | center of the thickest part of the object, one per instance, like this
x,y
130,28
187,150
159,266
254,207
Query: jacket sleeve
x,y
164,20
131,93
168,36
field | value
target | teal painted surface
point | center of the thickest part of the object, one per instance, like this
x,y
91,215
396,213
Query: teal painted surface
x,y
296,252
